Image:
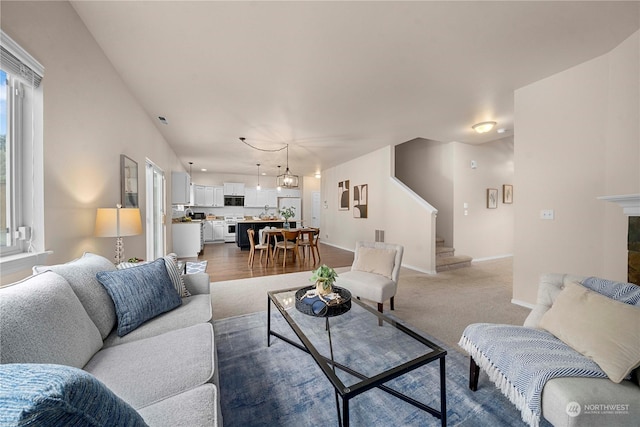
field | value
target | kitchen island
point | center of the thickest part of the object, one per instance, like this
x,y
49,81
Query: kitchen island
x,y
242,239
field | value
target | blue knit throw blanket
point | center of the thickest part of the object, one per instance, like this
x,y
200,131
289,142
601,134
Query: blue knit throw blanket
x,y
521,360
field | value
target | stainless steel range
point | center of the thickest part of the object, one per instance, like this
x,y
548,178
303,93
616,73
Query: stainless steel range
x,y
230,222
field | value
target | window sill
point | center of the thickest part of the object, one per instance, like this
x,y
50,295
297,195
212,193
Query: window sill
x,y
19,262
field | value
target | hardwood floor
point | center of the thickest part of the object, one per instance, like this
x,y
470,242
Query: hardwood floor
x,y
228,262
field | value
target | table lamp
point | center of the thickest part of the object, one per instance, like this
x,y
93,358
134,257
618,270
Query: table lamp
x,y
118,222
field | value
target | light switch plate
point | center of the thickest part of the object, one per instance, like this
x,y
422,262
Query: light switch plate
x,y
547,214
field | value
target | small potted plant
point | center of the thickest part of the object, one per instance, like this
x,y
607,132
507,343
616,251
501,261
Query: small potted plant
x,y
287,213
324,277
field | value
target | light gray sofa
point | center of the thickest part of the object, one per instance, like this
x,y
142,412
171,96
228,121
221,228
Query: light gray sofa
x,y
165,369
567,401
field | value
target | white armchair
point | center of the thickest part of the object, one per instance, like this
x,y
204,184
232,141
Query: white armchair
x,y
374,273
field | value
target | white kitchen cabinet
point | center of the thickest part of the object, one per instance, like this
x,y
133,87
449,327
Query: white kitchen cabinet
x,y
251,197
272,197
289,192
180,188
218,197
213,231
218,231
260,198
187,238
208,196
233,189
199,195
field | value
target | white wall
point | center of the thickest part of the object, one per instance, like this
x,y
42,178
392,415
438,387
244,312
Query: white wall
x,y
483,233
577,138
405,218
426,167
90,118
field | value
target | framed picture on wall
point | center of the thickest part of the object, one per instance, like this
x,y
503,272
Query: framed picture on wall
x,y
360,200
492,198
343,195
128,182
507,193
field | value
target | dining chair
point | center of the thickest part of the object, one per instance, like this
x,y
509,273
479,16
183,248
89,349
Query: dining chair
x,y
289,242
261,247
308,242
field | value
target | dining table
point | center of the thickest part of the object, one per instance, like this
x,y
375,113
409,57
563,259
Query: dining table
x,y
270,233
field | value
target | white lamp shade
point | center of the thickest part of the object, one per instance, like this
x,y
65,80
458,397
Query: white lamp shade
x,y
107,222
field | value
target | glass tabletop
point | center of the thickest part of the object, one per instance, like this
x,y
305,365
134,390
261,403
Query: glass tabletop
x,y
366,347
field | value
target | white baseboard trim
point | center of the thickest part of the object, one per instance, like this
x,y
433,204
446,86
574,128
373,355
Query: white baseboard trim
x,y
404,265
522,303
338,246
492,258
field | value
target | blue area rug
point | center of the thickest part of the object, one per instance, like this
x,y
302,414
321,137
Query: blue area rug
x,y
282,385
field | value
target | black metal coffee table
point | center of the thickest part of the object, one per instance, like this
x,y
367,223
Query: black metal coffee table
x,y
338,345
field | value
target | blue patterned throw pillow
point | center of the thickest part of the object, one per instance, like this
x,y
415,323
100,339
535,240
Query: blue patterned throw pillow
x,y
139,293
58,395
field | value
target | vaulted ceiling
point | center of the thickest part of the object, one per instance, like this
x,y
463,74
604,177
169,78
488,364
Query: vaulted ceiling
x,y
336,80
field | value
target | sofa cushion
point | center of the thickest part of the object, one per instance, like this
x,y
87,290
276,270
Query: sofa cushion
x,y
375,260
601,402
194,310
139,293
43,321
81,275
195,407
171,263
148,370
605,330
56,395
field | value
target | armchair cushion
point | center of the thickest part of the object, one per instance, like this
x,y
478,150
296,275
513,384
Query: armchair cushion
x,y
374,260
605,330
374,287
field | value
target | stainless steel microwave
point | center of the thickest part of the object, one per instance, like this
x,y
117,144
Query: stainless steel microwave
x,y
234,200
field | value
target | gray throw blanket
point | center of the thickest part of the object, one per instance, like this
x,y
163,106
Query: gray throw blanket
x,y
521,360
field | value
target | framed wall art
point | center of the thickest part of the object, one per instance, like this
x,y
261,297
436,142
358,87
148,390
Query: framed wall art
x,y
360,200
128,182
492,198
343,195
507,193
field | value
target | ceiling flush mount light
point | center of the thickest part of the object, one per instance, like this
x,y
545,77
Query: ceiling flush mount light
x,y
483,127
287,179
258,186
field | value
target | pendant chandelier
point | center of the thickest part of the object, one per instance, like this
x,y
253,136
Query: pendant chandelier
x,y
287,179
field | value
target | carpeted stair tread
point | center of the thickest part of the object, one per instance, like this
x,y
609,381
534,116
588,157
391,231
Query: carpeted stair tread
x,y
444,251
452,262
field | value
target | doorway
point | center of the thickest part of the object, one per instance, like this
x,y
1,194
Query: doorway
x,y
155,222
315,209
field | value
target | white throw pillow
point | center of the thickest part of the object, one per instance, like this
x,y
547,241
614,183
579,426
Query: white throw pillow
x,y
374,260
602,329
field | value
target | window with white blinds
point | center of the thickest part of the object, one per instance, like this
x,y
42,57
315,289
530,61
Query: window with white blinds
x,y
21,120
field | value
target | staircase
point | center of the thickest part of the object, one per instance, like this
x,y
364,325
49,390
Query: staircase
x,y
447,260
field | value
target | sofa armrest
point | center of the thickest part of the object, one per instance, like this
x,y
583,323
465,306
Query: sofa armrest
x,y
197,283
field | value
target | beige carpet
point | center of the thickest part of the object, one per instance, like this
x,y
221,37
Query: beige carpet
x,y
441,305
